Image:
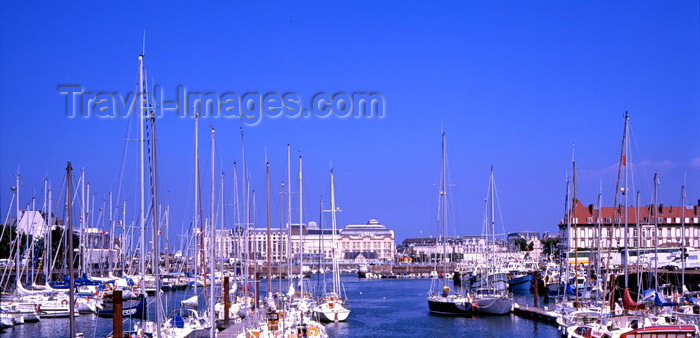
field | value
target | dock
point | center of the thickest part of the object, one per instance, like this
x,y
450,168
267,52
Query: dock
x,y
535,313
235,329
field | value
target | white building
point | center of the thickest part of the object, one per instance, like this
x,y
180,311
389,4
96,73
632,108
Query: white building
x,y
457,249
371,241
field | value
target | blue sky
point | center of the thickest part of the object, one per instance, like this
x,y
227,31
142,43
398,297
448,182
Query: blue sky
x,y
513,85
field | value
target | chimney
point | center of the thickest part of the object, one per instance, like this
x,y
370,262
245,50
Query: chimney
x,y
661,209
590,209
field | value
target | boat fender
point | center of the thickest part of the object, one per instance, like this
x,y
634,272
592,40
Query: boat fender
x,y
312,331
64,302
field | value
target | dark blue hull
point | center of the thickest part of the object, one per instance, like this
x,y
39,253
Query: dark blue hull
x,y
450,308
137,312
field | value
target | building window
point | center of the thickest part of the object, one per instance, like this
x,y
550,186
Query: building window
x,y
590,220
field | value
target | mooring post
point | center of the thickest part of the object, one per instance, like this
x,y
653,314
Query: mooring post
x,y
117,318
257,290
536,281
227,302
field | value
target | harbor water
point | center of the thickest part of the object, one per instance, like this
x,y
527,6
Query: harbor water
x,y
380,308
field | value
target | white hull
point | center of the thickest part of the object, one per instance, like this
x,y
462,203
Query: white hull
x,y
6,320
86,305
494,305
336,313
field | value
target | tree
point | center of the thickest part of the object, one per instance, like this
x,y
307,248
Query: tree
x,y
521,244
8,235
550,246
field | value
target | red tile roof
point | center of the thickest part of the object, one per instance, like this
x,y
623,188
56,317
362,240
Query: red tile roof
x,y
583,212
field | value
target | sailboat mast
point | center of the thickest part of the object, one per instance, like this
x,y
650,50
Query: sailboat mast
x,y
625,147
167,236
683,254
69,221
443,202
599,254
110,266
142,162
656,232
236,214
289,214
83,217
280,243
212,243
336,269
49,261
269,234
246,212
221,216
155,219
18,217
564,263
321,244
122,244
575,222
301,232
639,242
493,224
47,239
195,216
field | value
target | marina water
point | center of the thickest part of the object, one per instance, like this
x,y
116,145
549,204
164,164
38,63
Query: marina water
x,y
380,308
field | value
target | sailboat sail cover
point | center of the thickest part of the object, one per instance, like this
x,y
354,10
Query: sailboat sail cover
x,y
630,304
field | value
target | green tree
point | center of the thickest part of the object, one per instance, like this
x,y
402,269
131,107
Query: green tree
x,y
8,233
550,246
521,244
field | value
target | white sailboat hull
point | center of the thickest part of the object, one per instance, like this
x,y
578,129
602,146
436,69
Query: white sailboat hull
x,y
334,313
494,305
6,320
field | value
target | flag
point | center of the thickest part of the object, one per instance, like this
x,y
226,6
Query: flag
x,y
104,232
624,160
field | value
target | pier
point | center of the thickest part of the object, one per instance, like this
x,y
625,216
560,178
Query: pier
x,y
535,313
